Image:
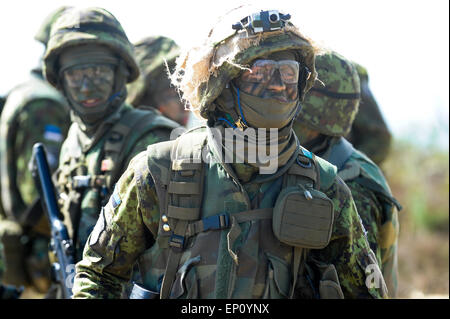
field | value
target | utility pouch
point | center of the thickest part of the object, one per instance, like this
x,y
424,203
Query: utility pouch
x,y
329,286
303,218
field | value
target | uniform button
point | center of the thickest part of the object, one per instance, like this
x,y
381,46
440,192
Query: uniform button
x,y
164,218
166,227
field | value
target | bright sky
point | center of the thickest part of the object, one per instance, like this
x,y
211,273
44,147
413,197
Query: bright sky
x,y
403,44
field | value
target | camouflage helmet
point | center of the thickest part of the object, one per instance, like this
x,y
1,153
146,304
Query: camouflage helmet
x,y
203,72
331,105
43,33
151,54
87,26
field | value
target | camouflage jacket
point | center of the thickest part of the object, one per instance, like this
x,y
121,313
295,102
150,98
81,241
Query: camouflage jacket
x,y
244,261
376,206
33,112
88,171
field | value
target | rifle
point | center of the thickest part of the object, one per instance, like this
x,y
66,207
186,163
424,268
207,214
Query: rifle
x,y
60,244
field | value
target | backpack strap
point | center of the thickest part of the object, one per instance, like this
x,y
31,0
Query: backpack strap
x,y
340,153
303,170
124,135
366,173
182,202
312,168
381,192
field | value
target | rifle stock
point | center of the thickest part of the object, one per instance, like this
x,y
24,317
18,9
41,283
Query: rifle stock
x,y
61,244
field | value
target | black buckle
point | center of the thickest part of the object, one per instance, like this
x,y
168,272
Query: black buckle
x,y
176,242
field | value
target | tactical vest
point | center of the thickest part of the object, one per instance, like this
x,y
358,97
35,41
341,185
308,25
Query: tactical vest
x,y
87,179
211,243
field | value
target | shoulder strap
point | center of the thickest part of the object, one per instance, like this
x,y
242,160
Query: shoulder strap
x,y
327,172
303,170
125,134
366,173
340,153
371,184
182,200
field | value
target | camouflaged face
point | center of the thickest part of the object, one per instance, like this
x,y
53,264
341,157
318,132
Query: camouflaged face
x,y
130,229
87,26
151,54
331,107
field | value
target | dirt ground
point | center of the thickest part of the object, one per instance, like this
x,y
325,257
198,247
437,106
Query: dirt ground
x,y
423,265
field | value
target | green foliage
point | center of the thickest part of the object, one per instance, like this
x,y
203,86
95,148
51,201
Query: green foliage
x,y
419,178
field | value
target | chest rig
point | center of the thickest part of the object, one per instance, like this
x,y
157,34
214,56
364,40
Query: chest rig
x,y
179,185
86,179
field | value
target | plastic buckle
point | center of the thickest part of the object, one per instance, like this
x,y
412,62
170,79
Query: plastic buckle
x,y
176,242
216,222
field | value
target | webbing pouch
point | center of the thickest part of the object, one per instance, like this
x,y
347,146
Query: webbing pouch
x,y
303,218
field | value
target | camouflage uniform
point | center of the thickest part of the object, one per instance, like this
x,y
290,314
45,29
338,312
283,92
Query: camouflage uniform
x,y
152,88
203,230
330,110
369,133
34,112
91,161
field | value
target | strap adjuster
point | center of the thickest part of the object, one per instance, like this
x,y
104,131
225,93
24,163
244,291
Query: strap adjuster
x,y
176,242
216,222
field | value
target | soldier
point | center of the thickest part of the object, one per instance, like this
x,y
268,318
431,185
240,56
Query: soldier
x,y
90,59
327,115
201,226
152,88
369,132
34,112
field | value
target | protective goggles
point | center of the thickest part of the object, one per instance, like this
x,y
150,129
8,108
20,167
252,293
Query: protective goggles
x,y
98,74
262,71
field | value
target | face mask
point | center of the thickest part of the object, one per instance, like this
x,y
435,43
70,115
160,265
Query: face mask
x,y
267,113
89,85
